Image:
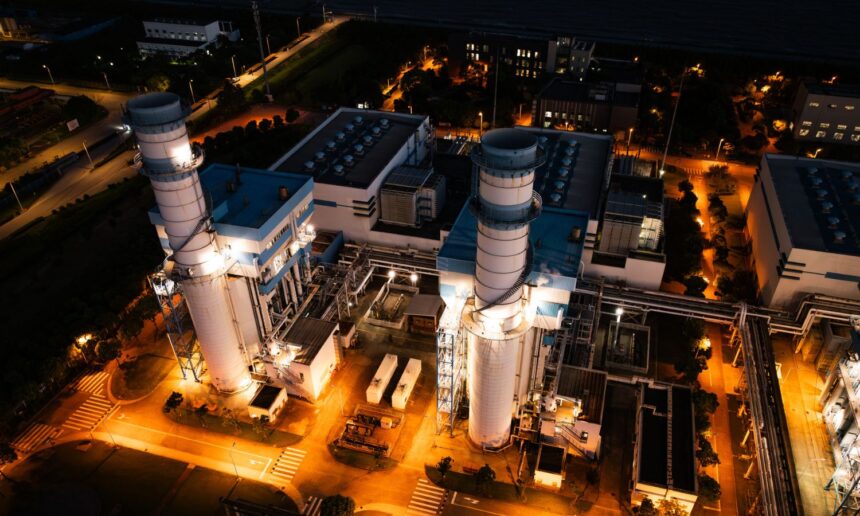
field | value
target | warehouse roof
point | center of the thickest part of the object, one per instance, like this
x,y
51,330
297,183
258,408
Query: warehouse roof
x,y
819,201
352,147
654,440
310,334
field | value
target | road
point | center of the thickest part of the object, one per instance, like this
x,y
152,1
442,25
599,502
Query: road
x,y
111,100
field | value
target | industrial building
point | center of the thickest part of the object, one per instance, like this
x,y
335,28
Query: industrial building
x,y
371,166
827,113
664,466
529,57
237,243
803,221
183,37
586,106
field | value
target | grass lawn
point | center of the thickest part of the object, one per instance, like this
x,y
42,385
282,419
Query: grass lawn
x,y
141,376
329,71
245,430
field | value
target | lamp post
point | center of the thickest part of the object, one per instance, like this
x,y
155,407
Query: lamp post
x,y
719,146
50,75
481,125
618,313
629,137
191,88
235,469
233,61
87,152
816,152
104,74
298,27
672,123
268,46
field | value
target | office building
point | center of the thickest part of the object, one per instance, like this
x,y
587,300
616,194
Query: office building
x,y
803,221
529,57
827,113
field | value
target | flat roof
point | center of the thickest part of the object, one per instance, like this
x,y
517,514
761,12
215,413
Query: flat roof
x,y
425,305
577,91
588,385
310,334
654,440
337,138
554,252
587,169
266,396
256,197
819,200
551,459
838,90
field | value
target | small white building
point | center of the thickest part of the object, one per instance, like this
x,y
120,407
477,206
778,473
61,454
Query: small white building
x,y
183,37
803,220
307,358
268,402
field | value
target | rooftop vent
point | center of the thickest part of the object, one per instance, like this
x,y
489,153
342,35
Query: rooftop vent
x,y
821,193
566,161
853,184
826,206
559,185
338,170
330,145
283,193
839,237
358,120
384,122
340,136
812,171
319,156
847,174
368,140
349,128
815,181
832,222
309,165
555,197
359,149
376,132
563,172
348,160
569,150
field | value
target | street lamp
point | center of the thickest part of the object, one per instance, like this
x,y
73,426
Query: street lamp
x,y
719,146
191,88
268,47
87,152
298,27
50,75
816,152
233,60
618,313
413,278
391,275
481,126
104,74
234,460
629,137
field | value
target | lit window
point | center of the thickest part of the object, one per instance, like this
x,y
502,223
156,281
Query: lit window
x,y
813,104
857,128
806,123
832,106
803,132
838,136
486,48
855,137
548,114
821,134
519,52
824,125
841,127
849,108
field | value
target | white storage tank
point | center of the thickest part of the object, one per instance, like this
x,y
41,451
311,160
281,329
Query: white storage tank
x,y
406,384
380,380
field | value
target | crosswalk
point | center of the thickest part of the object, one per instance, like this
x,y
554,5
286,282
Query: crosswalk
x,y
93,383
427,498
34,436
89,414
312,508
287,464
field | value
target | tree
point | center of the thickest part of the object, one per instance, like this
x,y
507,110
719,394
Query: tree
x,y
292,115
231,99
158,82
484,477
704,401
741,286
108,349
337,505
706,454
646,508
7,455
444,466
671,508
709,489
696,286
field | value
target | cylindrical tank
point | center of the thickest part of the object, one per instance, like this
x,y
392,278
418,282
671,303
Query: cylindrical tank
x,y
504,205
158,120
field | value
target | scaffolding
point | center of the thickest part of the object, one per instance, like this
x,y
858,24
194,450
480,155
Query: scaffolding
x,y
450,361
177,324
845,479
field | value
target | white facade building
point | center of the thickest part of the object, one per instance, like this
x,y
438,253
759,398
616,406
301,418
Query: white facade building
x,y
803,219
183,37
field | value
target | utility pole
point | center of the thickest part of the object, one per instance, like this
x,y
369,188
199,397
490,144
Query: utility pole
x,y
12,185
104,74
87,152
672,124
256,10
324,14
